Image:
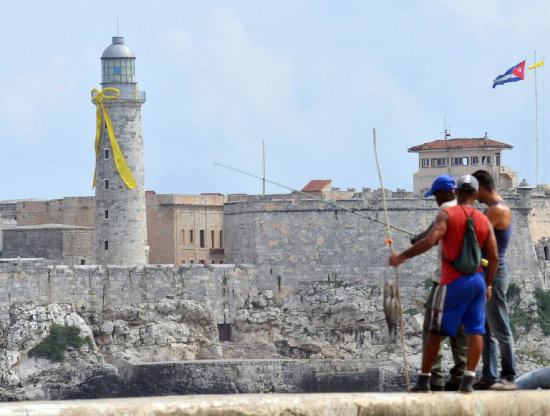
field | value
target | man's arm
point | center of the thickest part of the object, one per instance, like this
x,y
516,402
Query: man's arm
x,y
417,237
491,249
437,233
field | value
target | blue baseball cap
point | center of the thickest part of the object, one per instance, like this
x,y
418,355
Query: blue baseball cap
x,y
441,183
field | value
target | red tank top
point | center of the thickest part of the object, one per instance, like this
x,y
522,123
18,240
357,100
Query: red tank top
x,y
451,243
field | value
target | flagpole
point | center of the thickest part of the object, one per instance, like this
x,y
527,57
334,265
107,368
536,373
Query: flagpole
x,y
536,119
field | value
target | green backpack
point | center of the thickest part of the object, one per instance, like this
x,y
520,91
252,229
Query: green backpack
x,y
469,259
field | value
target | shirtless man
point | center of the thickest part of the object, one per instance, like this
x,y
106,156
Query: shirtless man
x,y
497,328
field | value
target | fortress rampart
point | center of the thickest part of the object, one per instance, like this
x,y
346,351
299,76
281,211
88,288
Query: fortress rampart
x,y
311,240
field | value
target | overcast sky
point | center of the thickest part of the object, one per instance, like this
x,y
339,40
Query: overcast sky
x,y
310,78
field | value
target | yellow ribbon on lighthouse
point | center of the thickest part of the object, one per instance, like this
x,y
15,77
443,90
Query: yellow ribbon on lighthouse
x,y
120,162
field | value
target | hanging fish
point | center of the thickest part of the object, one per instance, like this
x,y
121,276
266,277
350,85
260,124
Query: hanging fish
x,y
391,309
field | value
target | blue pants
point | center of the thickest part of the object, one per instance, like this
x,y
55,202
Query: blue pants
x,y
537,379
498,333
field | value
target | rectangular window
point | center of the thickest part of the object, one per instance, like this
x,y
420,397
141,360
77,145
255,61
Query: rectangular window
x,y
106,153
212,236
183,236
485,160
82,262
224,332
425,162
497,159
106,183
106,214
201,238
191,236
459,161
439,162
475,160
221,239
106,245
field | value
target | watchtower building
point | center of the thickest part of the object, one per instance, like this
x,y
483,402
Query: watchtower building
x,y
120,210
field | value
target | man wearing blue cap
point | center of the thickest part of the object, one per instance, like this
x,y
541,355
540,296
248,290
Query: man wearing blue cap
x,y
443,190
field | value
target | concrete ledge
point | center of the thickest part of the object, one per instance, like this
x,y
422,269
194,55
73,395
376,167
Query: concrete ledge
x,y
356,404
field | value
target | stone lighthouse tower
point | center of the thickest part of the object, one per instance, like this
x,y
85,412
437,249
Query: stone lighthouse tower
x,y
120,223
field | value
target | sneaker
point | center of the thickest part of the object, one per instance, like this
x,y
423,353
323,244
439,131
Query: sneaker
x,y
483,385
504,385
422,384
466,384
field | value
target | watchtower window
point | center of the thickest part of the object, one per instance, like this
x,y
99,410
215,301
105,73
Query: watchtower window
x,y
106,154
485,160
106,214
106,245
475,160
425,162
460,161
201,238
106,183
439,162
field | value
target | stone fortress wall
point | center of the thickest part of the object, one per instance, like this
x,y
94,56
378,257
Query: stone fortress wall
x,y
311,240
277,245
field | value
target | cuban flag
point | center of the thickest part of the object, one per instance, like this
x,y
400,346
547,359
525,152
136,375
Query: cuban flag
x,y
516,73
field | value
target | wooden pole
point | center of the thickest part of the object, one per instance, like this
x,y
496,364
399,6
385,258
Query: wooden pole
x,y
388,229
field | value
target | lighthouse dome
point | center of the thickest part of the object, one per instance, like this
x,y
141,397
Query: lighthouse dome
x,y
118,49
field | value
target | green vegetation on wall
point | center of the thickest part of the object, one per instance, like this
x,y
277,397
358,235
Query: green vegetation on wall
x,y
60,337
543,308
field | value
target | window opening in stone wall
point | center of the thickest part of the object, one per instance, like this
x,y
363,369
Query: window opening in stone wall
x,y
221,239
183,236
201,238
425,162
212,236
106,245
475,160
460,161
439,162
106,183
106,153
190,236
82,262
106,214
221,262
546,253
485,160
192,262
224,332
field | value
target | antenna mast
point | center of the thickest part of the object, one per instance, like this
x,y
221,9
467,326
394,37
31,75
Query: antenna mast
x,y
263,180
536,119
447,132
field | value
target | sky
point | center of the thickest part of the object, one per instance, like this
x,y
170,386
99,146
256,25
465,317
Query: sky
x,y
310,79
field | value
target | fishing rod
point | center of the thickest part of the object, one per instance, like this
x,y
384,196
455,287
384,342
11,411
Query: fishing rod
x,y
326,201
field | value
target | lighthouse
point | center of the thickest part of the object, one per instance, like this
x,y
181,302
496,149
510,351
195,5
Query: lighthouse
x,y
120,210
